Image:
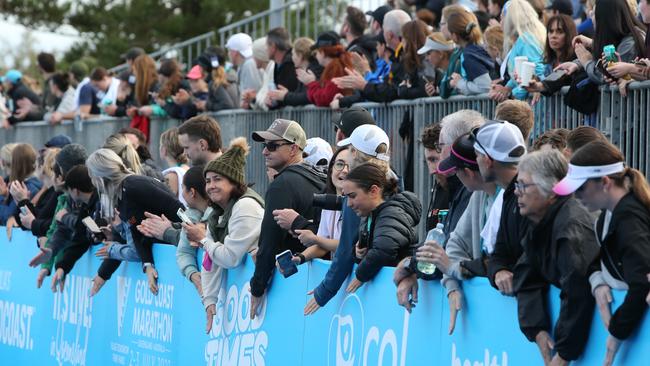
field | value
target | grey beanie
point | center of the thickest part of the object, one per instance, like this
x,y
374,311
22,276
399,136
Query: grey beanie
x,y
69,156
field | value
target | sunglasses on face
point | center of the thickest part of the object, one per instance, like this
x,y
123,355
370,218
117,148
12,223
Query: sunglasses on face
x,y
272,146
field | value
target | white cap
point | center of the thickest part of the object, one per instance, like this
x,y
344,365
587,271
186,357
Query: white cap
x,y
501,141
431,45
367,138
242,43
317,149
578,175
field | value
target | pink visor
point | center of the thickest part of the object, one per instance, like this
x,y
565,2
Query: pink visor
x,y
195,73
578,175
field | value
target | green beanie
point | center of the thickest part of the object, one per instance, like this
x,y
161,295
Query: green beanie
x,y
232,163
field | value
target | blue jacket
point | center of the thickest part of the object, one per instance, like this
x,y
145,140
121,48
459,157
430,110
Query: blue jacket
x,y
382,69
526,45
8,206
343,259
475,68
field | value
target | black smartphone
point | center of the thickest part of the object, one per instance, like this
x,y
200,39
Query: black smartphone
x,y
555,75
288,267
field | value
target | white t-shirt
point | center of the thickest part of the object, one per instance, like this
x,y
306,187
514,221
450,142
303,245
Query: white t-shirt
x,y
491,228
109,97
330,224
180,172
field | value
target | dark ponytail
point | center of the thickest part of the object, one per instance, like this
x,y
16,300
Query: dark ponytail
x,y
194,178
367,175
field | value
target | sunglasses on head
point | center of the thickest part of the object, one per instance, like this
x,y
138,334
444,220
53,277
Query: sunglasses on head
x,y
272,146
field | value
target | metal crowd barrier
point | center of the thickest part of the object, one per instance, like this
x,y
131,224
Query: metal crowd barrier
x,y
622,119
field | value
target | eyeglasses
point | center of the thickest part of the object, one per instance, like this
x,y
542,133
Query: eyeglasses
x,y
339,165
272,146
521,187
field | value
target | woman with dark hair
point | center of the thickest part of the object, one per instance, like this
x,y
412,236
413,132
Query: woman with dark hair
x,y
560,31
600,179
329,230
147,87
59,85
415,71
333,57
171,81
615,25
199,211
388,220
233,229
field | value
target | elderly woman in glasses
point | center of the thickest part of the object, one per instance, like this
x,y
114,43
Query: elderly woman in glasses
x,y
558,250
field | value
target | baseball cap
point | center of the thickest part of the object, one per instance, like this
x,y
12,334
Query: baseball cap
x,y
578,175
13,76
462,155
367,138
329,38
283,129
58,141
316,150
242,43
352,118
562,6
431,45
500,141
132,53
194,73
379,13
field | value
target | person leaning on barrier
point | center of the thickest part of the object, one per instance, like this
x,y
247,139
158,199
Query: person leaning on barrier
x,y
389,218
129,196
499,146
199,211
292,188
463,254
600,179
559,250
439,194
367,144
233,229
79,188
21,174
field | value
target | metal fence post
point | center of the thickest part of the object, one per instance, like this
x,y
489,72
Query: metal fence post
x,y
276,18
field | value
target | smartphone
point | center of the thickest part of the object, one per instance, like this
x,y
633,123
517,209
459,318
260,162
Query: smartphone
x,y
427,79
24,210
555,75
183,216
286,264
91,225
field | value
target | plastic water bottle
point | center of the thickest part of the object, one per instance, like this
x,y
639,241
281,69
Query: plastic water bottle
x,y
438,236
78,123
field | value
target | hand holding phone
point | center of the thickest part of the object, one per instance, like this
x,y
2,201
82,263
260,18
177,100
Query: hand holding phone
x,y
287,267
184,217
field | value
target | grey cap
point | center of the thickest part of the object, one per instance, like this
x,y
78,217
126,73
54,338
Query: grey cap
x,y
71,155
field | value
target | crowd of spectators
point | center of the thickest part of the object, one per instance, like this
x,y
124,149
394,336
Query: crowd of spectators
x,y
563,210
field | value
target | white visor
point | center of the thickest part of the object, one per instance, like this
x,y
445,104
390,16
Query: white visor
x,y
431,45
578,175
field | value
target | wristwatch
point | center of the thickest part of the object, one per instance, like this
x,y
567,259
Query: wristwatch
x,y
145,265
204,241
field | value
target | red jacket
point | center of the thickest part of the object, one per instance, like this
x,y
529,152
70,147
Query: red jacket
x,y
323,95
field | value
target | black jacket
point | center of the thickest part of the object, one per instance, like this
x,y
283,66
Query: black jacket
x,y
512,229
19,91
438,200
140,194
81,239
219,98
459,199
285,73
43,211
392,234
294,188
559,251
299,96
625,253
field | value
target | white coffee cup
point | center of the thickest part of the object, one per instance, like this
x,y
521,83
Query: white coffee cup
x,y
518,61
527,72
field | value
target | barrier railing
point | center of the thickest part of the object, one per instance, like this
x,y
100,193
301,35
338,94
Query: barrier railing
x,y
124,324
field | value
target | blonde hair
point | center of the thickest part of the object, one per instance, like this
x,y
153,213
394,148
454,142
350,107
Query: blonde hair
x,y
493,36
521,21
107,172
49,161
121,146
5,154
169,140
302,47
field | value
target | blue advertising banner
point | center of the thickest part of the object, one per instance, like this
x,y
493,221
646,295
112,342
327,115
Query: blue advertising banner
x,y
124,324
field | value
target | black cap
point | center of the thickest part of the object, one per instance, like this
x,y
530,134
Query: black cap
x,y
352,118
562,6
379,13
127,77
132,53
462,155
329,38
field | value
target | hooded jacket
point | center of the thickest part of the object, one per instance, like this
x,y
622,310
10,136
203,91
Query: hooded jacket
x,y
392,232
625,256
19,91
559,251
476,66
293,188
